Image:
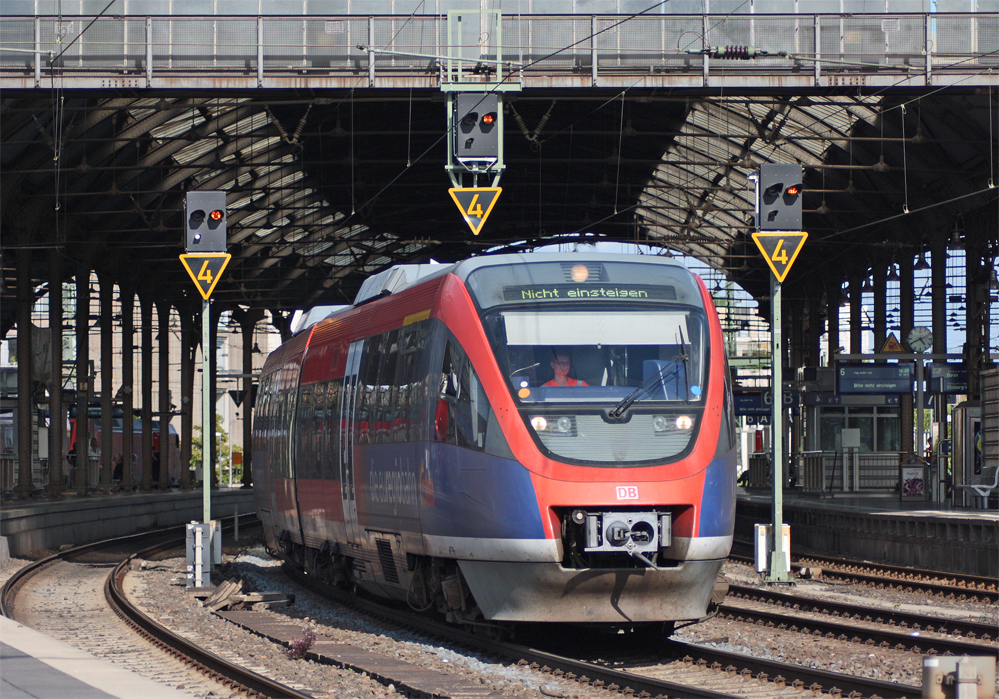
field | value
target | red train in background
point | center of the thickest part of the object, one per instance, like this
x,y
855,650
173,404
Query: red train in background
x,y
421,445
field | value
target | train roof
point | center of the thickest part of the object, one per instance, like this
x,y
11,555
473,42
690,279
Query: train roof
x,y
397,278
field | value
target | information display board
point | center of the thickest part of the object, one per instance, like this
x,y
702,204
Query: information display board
x,y
950,379
868,379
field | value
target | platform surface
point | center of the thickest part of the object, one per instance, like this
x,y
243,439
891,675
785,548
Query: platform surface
x,y
34,666
872,504
882,529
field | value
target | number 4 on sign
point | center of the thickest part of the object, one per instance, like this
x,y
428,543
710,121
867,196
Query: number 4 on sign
x,y
209,268
475,204
780,250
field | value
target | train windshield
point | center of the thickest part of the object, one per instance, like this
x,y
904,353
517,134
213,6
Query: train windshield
x,y
595,356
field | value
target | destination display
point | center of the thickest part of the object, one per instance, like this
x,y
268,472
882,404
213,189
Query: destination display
x,y
589,292
949,379
874,378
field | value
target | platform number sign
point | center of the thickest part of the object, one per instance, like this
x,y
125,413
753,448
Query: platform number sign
x,y
205,270
475,204
780,250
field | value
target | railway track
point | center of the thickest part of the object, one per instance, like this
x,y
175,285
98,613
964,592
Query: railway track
x,y
971,588
76,596
675,670
860,624
906,621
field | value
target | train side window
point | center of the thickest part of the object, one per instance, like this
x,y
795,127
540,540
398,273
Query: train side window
x,y
333,426
387,386
447,392
304,431
462,414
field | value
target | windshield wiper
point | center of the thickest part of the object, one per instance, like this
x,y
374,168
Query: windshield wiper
x,y
524,368
686,367
619,409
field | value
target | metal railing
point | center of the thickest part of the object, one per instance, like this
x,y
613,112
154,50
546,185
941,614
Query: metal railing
x,y
849,471
802,50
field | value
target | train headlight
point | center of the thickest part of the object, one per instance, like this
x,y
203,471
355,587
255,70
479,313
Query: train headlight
x,y
563,424
660,423
539,423
684,422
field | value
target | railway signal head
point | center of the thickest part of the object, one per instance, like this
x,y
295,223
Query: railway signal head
x,y
780,197
477,127
204,222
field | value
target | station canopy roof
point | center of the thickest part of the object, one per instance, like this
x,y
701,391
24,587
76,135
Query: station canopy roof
x,y
325,190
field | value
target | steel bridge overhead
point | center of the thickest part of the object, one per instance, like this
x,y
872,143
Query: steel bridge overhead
x,y
625,127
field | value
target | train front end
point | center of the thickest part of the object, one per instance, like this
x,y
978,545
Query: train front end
x,y
609,379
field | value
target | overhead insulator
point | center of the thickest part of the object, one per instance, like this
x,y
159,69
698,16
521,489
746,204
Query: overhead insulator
x,y
743,53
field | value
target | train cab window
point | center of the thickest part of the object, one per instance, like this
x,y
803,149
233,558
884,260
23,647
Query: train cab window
x,y
462,414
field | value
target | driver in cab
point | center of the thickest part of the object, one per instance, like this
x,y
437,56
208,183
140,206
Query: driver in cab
x,y
561,366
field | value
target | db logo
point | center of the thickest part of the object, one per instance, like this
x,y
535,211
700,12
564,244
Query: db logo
x,y
627,492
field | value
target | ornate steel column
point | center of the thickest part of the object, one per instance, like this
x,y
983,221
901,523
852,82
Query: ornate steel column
x,y
25,374
57,417
146,389
108,453
127,297
163,321
83,431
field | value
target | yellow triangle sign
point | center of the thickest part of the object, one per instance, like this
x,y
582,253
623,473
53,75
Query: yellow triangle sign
x,y
209,268
475,204
780,250
891,344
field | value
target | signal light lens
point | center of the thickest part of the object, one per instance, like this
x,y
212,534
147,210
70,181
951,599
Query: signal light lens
x,y
216,215
488,118
197,216
794,190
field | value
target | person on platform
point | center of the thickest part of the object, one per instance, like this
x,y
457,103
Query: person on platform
x,y
562,366
116,468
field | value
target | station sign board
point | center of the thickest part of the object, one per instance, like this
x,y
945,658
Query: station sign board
x,y
834,399
951,379
874,379
759,402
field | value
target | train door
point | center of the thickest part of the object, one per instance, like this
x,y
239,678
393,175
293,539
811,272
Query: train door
x,y
348,437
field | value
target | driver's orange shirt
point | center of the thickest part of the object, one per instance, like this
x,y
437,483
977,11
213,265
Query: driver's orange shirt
x,y
569,382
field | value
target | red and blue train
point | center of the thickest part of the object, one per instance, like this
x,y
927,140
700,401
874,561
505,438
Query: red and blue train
x,y
420,445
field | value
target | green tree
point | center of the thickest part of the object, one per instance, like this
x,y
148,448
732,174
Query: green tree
x,y
222,451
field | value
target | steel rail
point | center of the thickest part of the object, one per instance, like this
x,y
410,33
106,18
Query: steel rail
x,y
963,582
622,681
903,620
8,594
174,644
849,631
818,681
968,586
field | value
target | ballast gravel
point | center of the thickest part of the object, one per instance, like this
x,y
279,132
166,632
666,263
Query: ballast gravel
x,y
160,588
